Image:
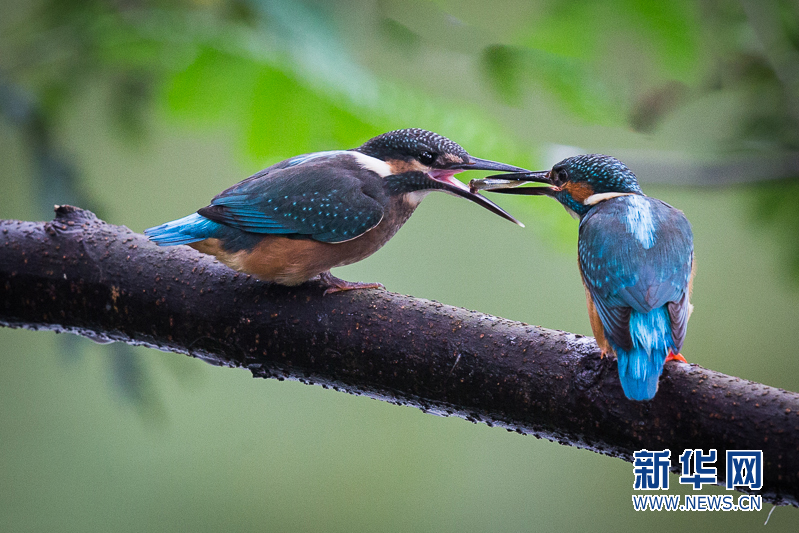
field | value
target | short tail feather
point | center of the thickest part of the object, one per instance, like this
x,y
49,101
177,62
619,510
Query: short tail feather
x,y
640,368
186,230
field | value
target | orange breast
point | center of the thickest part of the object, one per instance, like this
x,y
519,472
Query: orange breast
x,y
596,325
294,261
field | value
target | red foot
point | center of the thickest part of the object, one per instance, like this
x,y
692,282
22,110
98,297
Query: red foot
x,y
678,357
335,284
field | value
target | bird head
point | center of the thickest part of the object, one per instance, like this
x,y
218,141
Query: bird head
x,y
426,161
579,182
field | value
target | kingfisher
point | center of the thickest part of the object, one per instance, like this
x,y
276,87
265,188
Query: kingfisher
x,y
636,258
301,217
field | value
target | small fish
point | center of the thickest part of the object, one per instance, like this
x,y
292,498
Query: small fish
x,y
494,184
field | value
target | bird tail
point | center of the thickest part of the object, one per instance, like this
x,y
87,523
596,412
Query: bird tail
x,y
640,368
185,230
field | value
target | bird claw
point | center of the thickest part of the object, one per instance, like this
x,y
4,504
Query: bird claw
x,y
335,284
675,357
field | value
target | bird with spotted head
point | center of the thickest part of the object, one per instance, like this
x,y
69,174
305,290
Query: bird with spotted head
x,y
636,258
301,217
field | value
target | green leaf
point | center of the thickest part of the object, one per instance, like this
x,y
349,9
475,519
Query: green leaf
x,y
591,31
215,85
516,72
287,117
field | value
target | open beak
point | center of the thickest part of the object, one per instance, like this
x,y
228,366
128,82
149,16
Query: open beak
x,y
508,183
452,185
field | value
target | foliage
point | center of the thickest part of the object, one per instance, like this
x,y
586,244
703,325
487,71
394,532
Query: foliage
x,y
683,81
286,79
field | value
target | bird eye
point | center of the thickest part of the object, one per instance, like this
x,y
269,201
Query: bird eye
x,y
562,176
427,158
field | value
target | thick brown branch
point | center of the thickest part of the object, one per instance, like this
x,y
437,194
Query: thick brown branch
x,y
81,275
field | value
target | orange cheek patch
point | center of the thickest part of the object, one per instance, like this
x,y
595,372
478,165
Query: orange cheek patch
x,y
579,191
398,166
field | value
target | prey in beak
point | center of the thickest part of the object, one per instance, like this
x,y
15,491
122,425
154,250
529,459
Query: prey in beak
x,y
448,183
510,183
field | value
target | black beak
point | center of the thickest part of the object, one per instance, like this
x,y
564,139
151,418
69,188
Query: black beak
x,y
475,163
507,183
451,185
464,192
448,183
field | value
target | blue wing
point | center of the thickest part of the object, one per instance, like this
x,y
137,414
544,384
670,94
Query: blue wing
x,y
635,253
327,196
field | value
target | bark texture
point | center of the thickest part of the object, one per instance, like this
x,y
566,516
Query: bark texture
x,y
78,274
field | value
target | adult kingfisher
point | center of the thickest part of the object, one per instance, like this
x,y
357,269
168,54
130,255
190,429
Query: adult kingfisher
x,y
303,216
636,259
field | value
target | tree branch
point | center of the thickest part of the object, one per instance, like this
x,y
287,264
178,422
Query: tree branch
x,y
78,274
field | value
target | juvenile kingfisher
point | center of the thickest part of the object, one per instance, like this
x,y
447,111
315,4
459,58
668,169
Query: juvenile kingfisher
x,y
303,216
636,258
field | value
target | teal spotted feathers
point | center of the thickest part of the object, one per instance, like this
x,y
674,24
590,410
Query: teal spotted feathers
x,y
303,216
636,258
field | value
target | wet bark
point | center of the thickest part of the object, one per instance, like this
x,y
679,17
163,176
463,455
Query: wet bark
x,y
78,274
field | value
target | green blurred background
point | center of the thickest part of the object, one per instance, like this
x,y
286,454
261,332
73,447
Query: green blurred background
x,y
143,110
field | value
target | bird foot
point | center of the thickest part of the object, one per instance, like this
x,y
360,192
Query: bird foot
x,y
335,284
673,357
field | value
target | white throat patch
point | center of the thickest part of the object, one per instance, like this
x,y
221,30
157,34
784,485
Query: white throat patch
x,y
415,198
